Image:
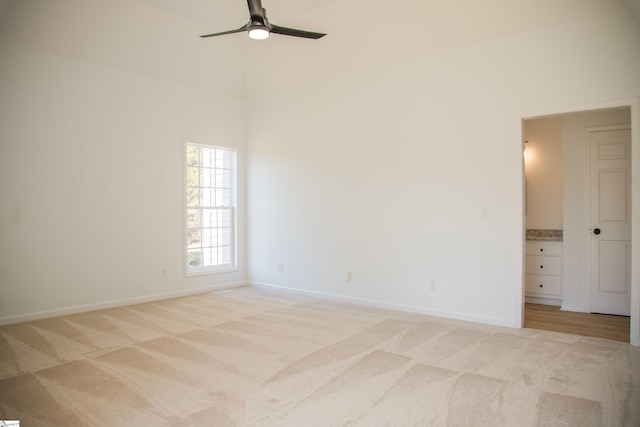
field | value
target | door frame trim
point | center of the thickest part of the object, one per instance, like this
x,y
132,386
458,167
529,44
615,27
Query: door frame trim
x,y
634,104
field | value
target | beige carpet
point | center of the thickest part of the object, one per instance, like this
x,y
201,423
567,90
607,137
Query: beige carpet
x,y
258,357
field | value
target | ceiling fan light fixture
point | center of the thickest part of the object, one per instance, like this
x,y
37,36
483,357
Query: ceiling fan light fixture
x,y
259,33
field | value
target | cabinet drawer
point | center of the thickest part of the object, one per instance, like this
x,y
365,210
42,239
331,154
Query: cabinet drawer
x,y
542,285
543,248
547,265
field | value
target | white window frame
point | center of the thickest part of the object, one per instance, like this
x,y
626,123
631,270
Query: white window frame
x,y
233,264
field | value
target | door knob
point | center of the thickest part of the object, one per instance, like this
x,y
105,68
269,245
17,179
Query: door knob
x,y
596,231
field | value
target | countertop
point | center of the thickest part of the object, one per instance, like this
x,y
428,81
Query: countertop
x,y
544,234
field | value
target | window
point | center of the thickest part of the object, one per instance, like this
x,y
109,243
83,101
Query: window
x,y
209,205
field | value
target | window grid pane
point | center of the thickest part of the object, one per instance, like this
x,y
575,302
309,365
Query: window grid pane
x,y
209,207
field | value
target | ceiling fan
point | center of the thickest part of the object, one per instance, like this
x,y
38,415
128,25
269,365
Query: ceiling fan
x,y
259,27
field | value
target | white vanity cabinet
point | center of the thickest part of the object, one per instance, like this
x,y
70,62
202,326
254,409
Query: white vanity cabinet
x,y
543,270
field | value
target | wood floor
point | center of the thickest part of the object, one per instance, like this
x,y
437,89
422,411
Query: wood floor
x,y
551,318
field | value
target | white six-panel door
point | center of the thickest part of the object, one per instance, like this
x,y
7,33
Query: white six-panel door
x,y
610,219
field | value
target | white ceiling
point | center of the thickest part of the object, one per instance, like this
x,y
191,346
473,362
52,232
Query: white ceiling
x,y
159,38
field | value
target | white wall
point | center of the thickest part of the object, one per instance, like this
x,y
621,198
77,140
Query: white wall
x,y
575,280
91,176
413,171
543,172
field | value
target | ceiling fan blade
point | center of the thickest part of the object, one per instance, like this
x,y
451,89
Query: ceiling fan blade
x,y
255,9
296,33
239,30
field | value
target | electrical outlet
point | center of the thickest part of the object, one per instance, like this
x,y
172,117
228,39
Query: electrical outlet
x,y
281,268
349,276
433,284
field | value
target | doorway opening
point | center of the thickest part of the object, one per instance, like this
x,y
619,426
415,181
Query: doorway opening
x,y
559,231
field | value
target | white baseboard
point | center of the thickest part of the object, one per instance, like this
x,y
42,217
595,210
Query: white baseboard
x,y
544,301
394,306
576,308
7,320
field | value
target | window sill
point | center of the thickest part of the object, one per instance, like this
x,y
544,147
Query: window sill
x,y
212,271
